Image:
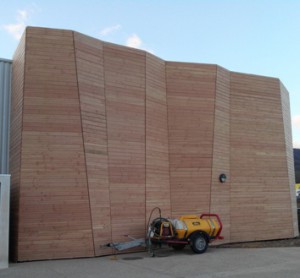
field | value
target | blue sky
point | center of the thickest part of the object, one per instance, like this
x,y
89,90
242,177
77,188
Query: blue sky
x,y
254,36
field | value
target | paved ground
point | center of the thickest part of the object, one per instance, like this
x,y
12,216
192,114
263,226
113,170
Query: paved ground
x,y
288,242
216,262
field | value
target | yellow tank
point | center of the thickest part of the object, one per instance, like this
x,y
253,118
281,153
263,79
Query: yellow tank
x,y
193,230
192,223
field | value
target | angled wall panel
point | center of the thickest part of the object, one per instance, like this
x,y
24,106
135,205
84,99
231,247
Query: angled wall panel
x,y
54,213
220,192
157,151
124,71
258,164
191,106
248,197
285,102
90,74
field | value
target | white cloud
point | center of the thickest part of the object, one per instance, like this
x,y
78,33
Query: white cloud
x,y
134,41
110,29
296,145
22,15
16,29
296,121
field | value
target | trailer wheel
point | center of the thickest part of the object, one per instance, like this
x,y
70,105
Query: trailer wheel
x,y
178,246
199,243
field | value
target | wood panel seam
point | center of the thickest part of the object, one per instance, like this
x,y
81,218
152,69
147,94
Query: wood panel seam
x,y
145,126
230,154
286,157
229,146
213,140
167,104
107,148
83,145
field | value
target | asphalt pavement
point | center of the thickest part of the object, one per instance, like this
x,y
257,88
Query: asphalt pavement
x,y
216,262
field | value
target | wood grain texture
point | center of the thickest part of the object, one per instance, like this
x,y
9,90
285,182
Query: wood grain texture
x,y
259,177
90,74
54,219
157,148
286,115
101,134
220,192
124,70
191,106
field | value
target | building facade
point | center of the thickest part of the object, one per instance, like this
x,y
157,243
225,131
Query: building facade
x,y
101,134
5,92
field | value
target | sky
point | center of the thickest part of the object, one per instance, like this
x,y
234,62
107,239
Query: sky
x,y
254,36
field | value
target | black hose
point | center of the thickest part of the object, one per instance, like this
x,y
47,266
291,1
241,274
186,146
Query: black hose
x,y
147,237
151,217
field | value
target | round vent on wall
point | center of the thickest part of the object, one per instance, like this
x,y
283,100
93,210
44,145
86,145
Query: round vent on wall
x,y
222,178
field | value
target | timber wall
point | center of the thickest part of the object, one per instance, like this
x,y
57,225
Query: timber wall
x,y
258,160
101,134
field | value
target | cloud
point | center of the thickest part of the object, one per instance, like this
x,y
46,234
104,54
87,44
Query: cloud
x,y
16,29
134,41
110,29
22,15
296,144
296,121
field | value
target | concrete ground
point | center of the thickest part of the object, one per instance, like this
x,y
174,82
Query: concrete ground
x,y
216,262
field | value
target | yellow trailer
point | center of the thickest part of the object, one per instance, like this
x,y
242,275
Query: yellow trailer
x,y
196,231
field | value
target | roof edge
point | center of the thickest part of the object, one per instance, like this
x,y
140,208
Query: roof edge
x,y
5,60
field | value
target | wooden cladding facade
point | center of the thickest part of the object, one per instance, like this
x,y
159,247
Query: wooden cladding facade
x,y
101,134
